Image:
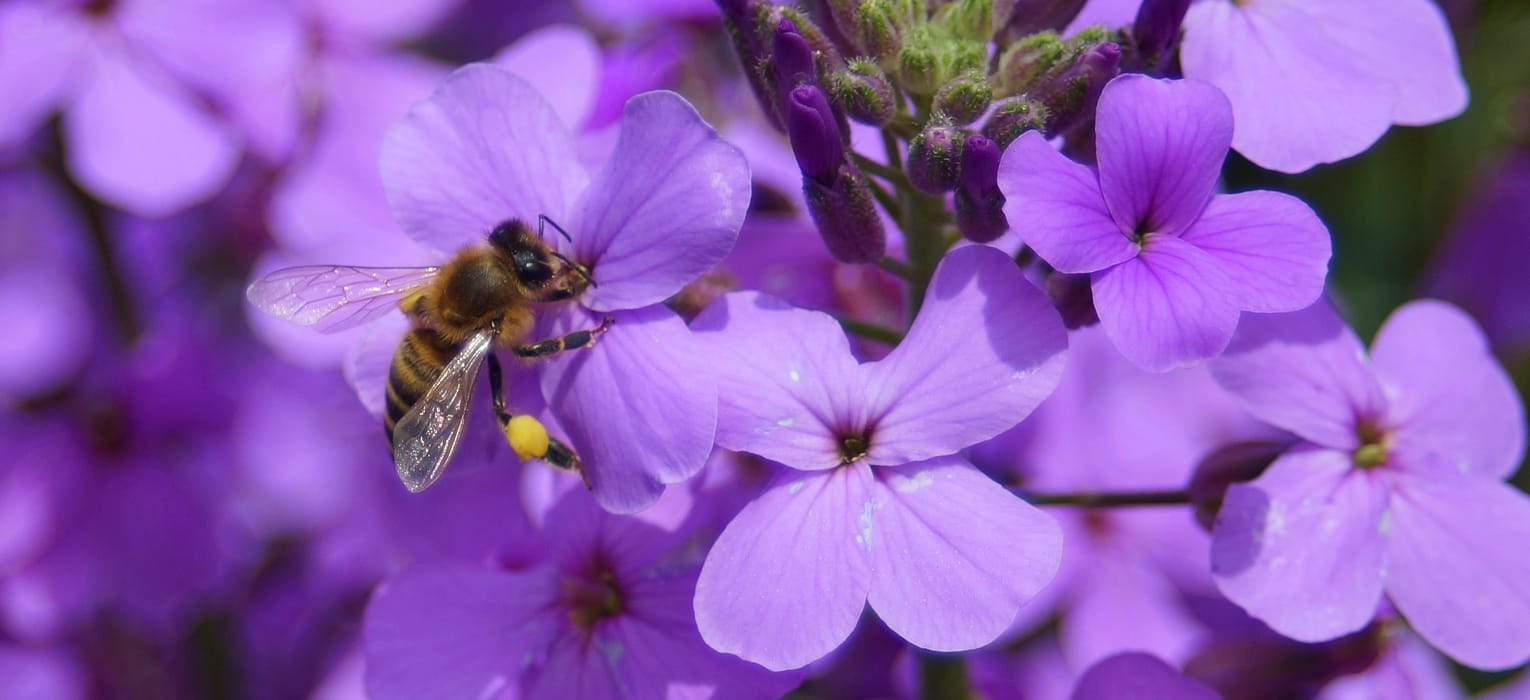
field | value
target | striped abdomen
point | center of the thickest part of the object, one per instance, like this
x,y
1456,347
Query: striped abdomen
x,y
416,364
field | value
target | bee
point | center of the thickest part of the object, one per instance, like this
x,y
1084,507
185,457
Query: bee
x,y
481,299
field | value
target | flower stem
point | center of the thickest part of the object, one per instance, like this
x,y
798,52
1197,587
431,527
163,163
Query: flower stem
x,y
870,331
1106,499
943,677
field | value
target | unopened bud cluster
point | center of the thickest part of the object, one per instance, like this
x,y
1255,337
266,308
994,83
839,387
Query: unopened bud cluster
x,y
956,81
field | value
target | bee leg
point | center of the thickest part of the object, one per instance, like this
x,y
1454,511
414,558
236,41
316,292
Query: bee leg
x,y
526,435
571,341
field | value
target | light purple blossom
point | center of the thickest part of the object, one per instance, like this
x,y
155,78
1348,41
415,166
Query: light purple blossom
x,y
135,85
877,507
1171,263
593,606
1316,81
1396,488
640,407
1139,676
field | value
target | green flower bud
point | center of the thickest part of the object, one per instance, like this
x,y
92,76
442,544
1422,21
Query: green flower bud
x,y
1028,61
966,19
863,92
935,157
877,31
966,98
919,67
1013,118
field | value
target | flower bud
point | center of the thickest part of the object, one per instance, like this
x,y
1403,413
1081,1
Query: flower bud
x,y
919,69
966,19
1228,465
814,133
843,15
1071,99
791,59
1030,16
745,21
1073,297
846,215
934,157
1013,118
1157,29
1028,62
863,92
825,52
877,31
964,99
979,203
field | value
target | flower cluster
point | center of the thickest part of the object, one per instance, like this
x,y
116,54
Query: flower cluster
x,y
922,348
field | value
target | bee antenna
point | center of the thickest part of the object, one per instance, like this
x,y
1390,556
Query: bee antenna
x,y
583,272
542,220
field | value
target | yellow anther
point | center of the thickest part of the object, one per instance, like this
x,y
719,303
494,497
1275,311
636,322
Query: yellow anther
x,y
527,436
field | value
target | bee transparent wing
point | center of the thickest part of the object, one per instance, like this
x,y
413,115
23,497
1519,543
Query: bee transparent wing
x,y
334,297
425,438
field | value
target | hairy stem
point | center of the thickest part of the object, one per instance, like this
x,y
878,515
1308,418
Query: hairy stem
x,y
1107,499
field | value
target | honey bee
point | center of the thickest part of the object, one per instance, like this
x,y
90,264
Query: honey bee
x,y
460,311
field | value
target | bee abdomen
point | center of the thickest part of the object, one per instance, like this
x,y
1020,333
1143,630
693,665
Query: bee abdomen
x,y
416,364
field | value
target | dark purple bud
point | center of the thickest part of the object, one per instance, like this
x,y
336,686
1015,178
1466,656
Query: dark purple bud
x,y
791,58
841,23
1157,28
1077,91
863,92
746,22
1074,299
846,215
814,134
979,203
1031,16
825,54
1013,118
964,99
1228,465
935,158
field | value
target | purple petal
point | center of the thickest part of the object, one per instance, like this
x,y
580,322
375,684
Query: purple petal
x,y
1459,569
787,382
640,406
1449,394
955,555
1172,306
1305,372
1139,676
363,21
42,50
1056,206
576,667
562,63
1404,42
449,630
45,673
1126,603
484,148
985,350
138,140
1272,245
1160,145
1302,547
666,208
1286,79
786,581
369,359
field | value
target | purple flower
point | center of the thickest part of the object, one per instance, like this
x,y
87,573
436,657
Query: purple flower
x,y
1315,81
640,407
601,608
1171,264
877,507
135,85
1396,487
1138,675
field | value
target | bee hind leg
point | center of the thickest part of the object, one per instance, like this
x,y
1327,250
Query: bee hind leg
x,y
571,341
526,435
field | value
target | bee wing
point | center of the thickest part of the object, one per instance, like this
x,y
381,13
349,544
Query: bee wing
x,y
425,438
334,297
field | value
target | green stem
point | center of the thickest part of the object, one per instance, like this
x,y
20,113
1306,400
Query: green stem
x,y
922,219
1107,499
943,677
890,174
895,266
871,331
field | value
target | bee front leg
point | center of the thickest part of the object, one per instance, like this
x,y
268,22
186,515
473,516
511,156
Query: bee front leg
x,y
570,341
526,435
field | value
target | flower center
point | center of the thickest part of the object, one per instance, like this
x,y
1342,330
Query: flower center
x,y
592,599
1373,445
853,447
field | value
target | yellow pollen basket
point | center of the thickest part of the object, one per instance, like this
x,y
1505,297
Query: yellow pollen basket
x,y
527,436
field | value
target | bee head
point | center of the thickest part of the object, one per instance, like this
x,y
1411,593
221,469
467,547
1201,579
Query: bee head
x,y
530,259
532,266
